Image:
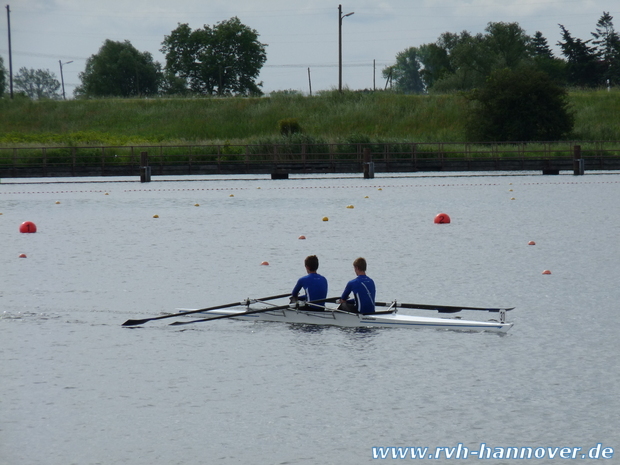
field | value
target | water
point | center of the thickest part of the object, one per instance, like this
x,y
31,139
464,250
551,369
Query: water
x,y
80,389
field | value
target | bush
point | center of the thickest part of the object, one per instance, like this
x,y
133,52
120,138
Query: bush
x,y
519,105
289,126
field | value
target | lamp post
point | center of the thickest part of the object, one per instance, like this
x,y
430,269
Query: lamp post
x,y
62,79
340,16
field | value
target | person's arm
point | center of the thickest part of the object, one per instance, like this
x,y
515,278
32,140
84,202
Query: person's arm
x,y
346,292
296,289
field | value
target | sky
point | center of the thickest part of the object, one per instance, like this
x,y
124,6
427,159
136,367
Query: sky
x,y
301,36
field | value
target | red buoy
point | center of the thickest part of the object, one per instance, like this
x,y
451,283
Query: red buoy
x,y
546,272
265,263
22,255
442,218
27,227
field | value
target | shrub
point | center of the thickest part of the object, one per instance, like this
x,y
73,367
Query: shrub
x,y
519,105
289,126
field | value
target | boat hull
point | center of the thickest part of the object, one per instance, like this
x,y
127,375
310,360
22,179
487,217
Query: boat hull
x,y
334,317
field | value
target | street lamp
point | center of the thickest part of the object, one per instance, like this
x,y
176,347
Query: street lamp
x,y
340,16
62,79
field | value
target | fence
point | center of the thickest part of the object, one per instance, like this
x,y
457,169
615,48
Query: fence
x,y
305,158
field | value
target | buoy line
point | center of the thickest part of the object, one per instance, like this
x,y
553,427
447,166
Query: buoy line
x,y
309,187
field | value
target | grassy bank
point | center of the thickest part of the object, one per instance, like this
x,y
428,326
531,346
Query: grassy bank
x,y
330,117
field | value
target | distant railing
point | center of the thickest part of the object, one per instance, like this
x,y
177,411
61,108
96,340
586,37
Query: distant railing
x,y
307,157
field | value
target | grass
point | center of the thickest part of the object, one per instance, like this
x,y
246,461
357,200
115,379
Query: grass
x,y
331,117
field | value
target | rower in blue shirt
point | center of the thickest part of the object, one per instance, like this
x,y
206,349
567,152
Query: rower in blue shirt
x,y
313,284
362,288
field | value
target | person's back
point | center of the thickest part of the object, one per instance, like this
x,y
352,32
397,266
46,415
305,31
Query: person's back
x,y
313,284
362,288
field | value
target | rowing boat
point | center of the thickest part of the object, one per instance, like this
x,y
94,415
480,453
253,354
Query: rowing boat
x,y
301,314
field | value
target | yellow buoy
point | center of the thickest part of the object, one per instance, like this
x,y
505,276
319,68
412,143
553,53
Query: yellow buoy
x,y
350,206
325,218
57,202
231,195
155,216
196,205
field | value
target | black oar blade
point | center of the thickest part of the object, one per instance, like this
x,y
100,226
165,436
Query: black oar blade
x,y
135,322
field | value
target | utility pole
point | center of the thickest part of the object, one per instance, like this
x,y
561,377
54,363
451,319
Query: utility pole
x,y
62,79
8,21
340,16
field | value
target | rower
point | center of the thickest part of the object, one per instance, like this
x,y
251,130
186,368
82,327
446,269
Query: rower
x,y
363,289
313,284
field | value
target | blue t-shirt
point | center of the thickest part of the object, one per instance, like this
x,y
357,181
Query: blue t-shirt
x,y
363,289
313,284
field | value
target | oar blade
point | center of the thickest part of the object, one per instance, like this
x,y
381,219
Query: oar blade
x,y
135,322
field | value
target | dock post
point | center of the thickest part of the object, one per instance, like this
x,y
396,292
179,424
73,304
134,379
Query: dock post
x,y
145,169
369,166
578,162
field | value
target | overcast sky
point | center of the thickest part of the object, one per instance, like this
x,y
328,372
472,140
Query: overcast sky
x,y
299,34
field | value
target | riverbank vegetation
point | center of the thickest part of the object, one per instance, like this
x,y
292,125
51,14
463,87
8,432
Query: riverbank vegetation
x,y
326,118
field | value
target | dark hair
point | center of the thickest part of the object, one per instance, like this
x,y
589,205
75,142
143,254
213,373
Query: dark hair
x,y
312,262
360,263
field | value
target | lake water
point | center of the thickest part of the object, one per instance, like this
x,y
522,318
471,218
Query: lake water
x,y
78,388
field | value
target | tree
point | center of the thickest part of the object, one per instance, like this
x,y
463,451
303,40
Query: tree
x,y
3,79
37,83
544,60
119,70
607,43
406,72
224,59
583,67
519,105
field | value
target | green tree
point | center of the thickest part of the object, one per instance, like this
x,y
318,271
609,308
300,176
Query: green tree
x,y
224,59
405,74
37,84
119,70
544,60
3,77
519,105
607,43
464,61
583,67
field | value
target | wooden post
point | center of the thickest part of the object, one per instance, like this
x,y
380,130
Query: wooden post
x,y
578,162
369,166
145,169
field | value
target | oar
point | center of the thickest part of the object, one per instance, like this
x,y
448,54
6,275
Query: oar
x,y
441,308
234,304
235,315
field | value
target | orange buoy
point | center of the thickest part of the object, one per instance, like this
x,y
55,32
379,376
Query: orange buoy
x,y
302,237
546,272
22,255
442,218
27,227
531,243
265,263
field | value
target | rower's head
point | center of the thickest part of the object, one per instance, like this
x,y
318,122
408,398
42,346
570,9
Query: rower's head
x,y
312,263
359,265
